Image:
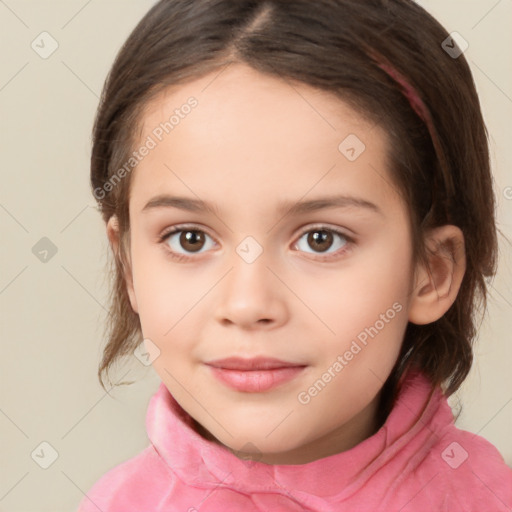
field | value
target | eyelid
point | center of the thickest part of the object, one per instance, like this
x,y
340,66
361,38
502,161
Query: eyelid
x,y
183,227
348,234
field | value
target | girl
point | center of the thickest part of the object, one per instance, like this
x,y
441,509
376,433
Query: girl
x,y
301,239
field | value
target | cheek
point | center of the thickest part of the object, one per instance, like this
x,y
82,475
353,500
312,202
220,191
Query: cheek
x,y
354,296
170,308
159,304
363,309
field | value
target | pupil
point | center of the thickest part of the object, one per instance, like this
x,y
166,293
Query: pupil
x,y
192,238
318,237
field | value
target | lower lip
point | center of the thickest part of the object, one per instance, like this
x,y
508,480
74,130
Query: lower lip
x,y
256,381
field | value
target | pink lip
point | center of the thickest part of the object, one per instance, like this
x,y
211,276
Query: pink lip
x,y
256,374
253,363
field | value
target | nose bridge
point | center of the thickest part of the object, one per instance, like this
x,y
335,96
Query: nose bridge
x,y
249,266
251,292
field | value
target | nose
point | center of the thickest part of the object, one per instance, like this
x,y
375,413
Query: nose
x,y
252,295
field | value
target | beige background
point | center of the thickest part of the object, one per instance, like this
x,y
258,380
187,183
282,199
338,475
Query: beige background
x,y
52,312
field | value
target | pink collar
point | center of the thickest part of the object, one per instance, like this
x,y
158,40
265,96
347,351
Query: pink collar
x,y
418,415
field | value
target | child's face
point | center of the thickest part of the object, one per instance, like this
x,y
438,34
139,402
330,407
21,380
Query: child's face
x,y
252,143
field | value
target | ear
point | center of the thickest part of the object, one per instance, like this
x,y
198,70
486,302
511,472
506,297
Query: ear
x,y
436,287
114,239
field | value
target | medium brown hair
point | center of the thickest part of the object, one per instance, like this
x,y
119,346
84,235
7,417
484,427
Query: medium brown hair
x,y
439,160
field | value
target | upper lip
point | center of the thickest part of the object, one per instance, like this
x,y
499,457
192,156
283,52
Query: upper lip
x,y
253,363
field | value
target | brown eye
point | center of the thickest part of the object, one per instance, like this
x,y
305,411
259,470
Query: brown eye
x,y
184,241
191,240
321,239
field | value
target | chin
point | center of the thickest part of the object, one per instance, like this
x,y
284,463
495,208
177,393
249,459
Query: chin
x,y
255,444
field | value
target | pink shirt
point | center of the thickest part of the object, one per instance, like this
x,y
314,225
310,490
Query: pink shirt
x,y
417,461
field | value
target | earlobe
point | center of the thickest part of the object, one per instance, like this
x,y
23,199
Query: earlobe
x,y
114,239
436,287
113,233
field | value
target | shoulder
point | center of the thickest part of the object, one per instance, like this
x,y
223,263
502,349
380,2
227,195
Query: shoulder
x,y
471,471
131,483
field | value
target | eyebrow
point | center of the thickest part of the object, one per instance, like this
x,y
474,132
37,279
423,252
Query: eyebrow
x,y
290,207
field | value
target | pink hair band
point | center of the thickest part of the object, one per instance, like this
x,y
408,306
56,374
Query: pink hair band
x,y
409,92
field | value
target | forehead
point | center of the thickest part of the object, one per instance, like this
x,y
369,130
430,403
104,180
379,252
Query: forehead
x,y
250,134
240,90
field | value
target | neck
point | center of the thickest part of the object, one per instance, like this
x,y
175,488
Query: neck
x,y
345,437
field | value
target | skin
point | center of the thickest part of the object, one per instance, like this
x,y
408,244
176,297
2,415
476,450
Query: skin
x,y
252,142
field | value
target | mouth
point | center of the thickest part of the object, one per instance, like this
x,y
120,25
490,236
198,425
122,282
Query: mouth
x,y
254,375
252,364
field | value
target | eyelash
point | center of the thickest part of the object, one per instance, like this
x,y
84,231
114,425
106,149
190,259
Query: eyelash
x,y
162,239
